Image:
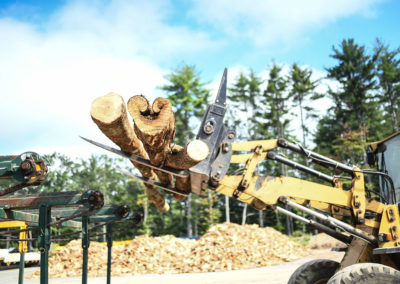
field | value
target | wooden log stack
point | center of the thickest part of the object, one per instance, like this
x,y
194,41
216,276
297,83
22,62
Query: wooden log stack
x,y
150,137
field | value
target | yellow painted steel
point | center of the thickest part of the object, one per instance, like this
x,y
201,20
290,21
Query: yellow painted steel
x,y
390,224
243,158
372,223
334,200
358,198
374,145
273,188
249,146
22,245
251,166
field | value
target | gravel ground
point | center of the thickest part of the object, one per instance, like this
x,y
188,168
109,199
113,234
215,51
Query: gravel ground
x,y
277,274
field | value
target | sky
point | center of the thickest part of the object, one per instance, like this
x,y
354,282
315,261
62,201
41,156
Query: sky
x,y
56,57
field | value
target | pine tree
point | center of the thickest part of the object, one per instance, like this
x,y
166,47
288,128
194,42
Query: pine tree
x,y
189,97
388,68
354,105
276,98
303,91
245,95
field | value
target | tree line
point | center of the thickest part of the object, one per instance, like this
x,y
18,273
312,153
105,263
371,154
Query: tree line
x,y
364,108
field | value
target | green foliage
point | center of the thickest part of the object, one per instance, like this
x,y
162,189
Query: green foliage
x,y
189,98
302,91
350,144
275,98
366,107
354,105
388,69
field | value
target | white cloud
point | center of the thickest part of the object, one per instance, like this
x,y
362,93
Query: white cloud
x,y
50,74
270,21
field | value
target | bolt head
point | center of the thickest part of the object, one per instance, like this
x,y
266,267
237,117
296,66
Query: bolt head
x,y
25,165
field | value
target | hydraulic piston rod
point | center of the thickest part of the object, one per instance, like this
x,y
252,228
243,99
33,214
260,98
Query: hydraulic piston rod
x,y
320,227
332,221
320,159
283,160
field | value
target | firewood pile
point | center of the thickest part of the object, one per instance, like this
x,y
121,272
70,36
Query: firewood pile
x,y
149,137
224,247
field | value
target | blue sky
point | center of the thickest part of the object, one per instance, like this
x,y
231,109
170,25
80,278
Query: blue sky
x,y
57,56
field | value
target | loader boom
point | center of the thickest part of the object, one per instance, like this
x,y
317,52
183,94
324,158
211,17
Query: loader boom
x,y
368,221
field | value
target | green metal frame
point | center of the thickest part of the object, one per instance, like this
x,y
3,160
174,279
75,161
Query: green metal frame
x,y
32,217
10,166
109,250
44,209
85,247
44,202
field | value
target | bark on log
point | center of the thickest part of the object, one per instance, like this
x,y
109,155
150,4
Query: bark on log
x,y
184,158
155,127
109,113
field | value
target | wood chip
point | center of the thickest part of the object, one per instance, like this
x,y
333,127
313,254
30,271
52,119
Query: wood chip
x,y
225,246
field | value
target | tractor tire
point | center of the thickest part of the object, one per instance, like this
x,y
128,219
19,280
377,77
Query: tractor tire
x,y
314,272
366,273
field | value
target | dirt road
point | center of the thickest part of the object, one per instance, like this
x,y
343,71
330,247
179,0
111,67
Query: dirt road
x,y
277,274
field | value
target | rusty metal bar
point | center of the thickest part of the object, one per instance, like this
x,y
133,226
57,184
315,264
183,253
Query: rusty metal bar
x,y
34,201
32,218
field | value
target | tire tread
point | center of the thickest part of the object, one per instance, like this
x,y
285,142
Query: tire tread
x,y
366,273
305,272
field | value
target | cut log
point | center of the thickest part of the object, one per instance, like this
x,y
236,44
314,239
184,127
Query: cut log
x,y
155,127
181,183
184,158
109,113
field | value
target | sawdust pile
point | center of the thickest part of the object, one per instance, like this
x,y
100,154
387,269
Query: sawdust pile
x,y
323,241
226,246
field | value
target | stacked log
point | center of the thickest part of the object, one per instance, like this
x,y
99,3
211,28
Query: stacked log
x,y
150,137
155,127
109,113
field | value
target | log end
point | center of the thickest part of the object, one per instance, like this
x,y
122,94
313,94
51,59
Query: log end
x,y
197,150
184,158
151,121
107,109
138,105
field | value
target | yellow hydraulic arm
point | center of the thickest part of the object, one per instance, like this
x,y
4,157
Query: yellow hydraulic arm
x,y
373,221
